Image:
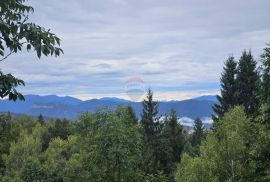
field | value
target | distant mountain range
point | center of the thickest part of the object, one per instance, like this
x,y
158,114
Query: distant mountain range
x,y
207,97
68,107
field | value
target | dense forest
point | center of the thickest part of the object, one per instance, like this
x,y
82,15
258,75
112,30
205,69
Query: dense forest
x,y
116,146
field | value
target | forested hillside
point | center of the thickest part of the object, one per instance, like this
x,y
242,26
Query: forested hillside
x,y
127,143
114,145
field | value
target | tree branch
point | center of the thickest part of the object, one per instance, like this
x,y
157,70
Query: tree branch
x,y
6,56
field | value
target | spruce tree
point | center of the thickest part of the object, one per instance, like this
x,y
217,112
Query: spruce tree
x,y
127,115
151,127
149,119
265,96
263,156
174,132
198,134
227,97
132,115
41,119
174,142
248,84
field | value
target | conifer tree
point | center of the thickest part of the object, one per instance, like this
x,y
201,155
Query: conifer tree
x,y
199,132
127,115
173,144
41,119
264,118
174,133
151,128
132,115
248,84
227,97
149,119
265,97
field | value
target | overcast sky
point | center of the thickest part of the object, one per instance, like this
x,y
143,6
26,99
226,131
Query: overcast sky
x,y
177,47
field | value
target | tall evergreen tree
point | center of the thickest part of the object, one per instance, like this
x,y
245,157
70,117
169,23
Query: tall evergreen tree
x,y
41,119
264,155
127,114
227,97
174,132
151,127
132,115
248,84
266,73
149,119
265,97
199,133
173,143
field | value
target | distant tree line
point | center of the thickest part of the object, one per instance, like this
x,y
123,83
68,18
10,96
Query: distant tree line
x,y
102,146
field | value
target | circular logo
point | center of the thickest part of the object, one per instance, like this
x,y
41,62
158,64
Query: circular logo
x,y
135,88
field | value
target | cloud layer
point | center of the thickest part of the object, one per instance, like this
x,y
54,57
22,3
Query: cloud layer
x,y
176,47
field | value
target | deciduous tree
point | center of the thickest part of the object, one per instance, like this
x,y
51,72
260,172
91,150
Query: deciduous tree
x,y
16,33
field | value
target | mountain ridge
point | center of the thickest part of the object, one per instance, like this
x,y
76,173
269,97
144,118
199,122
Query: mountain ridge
x,y
70,107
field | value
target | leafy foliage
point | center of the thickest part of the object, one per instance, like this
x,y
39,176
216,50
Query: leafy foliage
x,y
28,145
229,153
110,147
8,83
17,33
5,138
101,146
41,120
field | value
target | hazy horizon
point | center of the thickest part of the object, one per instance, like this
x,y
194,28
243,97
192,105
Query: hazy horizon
x,y
176,47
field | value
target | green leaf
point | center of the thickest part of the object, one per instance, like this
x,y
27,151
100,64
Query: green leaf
x,y
39,52
28,47
1,46
21,97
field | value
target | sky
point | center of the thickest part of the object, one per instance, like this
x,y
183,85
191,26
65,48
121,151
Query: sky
x,y
176,47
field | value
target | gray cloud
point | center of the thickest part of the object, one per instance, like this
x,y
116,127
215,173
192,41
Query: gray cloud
x,y
174,46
